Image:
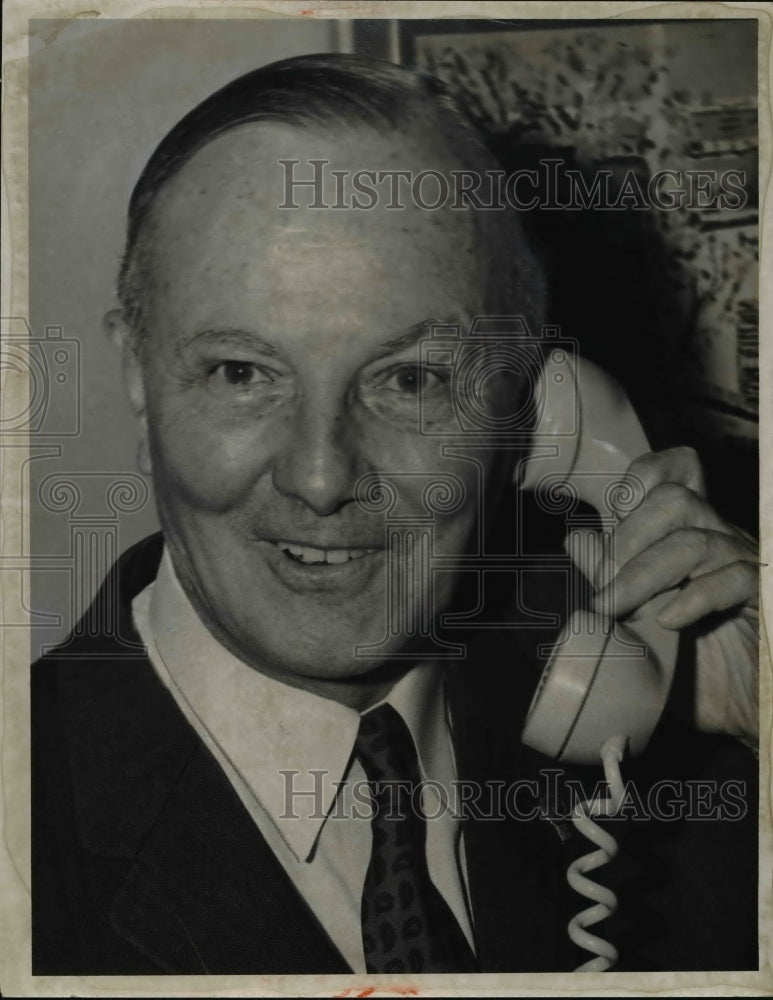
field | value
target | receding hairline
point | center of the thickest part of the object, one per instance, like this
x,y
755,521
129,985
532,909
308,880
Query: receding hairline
x,y
272,143
304,90
311,94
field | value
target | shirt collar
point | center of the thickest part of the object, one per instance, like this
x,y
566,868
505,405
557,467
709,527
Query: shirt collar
x,y
283,741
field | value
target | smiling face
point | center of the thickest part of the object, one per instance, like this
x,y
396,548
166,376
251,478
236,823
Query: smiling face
x,y
280,365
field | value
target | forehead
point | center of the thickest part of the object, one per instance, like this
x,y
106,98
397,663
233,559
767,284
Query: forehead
x,y
235,191
225,252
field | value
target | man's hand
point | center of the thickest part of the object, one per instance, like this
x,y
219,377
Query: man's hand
x,y
674,538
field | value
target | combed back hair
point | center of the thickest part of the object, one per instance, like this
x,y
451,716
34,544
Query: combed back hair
x,y
316,90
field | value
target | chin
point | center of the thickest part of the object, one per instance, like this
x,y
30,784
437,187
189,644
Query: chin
x,y
323,658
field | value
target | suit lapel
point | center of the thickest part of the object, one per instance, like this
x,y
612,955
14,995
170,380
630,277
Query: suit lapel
x,y
203,891
208,881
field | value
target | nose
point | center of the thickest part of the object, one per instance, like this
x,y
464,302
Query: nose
x,y
318,462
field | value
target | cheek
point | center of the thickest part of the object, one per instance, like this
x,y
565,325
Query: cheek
x,y
206,464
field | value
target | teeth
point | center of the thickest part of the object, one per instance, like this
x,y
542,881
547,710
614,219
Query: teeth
x,y
312,556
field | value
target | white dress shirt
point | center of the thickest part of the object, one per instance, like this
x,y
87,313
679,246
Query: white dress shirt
x,y
288,755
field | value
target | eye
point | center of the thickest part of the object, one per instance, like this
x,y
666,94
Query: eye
x,y
409,391
238,374
413,379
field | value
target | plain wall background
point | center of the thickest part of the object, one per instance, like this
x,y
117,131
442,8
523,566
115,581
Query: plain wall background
x,y
102,95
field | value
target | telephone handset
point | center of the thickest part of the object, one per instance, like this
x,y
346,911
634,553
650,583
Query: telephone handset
x,y
606,683
604,679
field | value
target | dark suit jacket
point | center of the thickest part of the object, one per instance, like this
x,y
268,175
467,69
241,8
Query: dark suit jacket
x,y
145,861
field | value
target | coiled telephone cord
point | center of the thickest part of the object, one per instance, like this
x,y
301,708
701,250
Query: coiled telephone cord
x,y
604,900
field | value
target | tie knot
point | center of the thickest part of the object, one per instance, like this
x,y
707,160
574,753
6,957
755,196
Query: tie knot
x,y
385,747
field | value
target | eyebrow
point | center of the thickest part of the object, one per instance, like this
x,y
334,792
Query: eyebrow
x,y
413,334
233,335
238,336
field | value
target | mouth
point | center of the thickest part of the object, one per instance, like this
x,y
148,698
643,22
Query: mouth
x,y
308,555
337,571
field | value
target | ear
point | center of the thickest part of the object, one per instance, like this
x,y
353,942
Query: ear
x,y
124,339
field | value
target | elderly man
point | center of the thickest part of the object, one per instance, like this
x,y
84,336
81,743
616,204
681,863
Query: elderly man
x,y
199,767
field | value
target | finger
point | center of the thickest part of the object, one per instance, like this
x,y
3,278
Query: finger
x,y
668,507
681,554
728,587
674,465
585,547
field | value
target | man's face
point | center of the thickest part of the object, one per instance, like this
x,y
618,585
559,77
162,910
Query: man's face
x,y
280,366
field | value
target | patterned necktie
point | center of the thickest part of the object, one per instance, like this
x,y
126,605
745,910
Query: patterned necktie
x,y
407,926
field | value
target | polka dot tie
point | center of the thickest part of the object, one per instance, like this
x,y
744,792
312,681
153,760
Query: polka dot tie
x,y
407,926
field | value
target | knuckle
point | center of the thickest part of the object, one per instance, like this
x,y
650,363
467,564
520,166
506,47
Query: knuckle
x,y
672,497
691,469
687,456
680,465
645,461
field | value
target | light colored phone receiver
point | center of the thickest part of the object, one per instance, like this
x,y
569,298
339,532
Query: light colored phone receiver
x,y
603,679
